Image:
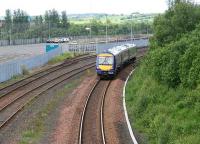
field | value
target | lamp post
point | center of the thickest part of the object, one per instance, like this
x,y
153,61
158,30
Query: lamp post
x,y
131,21
106,29
10,34
146,21
0,34
131,28
49,28
90,31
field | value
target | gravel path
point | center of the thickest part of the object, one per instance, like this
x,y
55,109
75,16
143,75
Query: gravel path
x,y
67,129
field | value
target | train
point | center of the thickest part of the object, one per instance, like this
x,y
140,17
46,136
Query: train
x,y
109,63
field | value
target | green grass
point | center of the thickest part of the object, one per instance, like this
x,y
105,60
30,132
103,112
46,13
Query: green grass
x,y
160,114
61,58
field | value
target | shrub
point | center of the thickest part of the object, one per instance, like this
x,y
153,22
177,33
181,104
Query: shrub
x,y
61,58
177,62
25,71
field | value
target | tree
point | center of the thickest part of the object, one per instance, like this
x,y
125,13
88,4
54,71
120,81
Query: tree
x,y
180,18
21,21
36,21
40,20
46,17
8,20
64,20
95,26
175,57
54,18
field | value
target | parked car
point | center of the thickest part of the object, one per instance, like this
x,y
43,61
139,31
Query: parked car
x,y
48,41
53,40
63,40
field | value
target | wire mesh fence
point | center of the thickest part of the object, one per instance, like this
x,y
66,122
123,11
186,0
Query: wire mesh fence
x,y
73,39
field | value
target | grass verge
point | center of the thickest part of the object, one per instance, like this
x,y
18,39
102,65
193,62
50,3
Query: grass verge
x,y
160,114
61,58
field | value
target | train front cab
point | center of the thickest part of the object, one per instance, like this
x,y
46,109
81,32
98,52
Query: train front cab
x,y
105,65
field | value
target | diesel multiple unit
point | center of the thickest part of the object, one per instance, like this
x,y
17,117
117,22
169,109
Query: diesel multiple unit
x,y
109,62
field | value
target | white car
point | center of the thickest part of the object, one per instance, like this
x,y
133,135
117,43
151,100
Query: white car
x,y
63,40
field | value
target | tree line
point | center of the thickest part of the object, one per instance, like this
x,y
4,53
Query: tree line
x,y
19,25
174,57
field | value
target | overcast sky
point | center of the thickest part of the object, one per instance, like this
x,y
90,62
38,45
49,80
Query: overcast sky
x,y
37,7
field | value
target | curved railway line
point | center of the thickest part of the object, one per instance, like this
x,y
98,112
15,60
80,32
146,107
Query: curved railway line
x,y
92,127
18,95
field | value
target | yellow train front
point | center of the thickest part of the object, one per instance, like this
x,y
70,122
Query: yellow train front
x,y
109,63
105,65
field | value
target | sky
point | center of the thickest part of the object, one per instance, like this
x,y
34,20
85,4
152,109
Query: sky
x,y
37,7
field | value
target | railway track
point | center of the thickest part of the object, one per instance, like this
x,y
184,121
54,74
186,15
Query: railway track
x,y
92,125
16,99
4,91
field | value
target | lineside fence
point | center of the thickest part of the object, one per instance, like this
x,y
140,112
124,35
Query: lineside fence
x,y
22,41
16,67
80,48
79,39
102,47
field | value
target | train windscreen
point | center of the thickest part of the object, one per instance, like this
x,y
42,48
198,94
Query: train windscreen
x,y
105,60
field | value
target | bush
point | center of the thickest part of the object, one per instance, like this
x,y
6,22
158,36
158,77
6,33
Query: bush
x,y
177,62
25,71
61,58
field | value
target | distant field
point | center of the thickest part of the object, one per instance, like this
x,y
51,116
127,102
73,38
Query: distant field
x,y
112,18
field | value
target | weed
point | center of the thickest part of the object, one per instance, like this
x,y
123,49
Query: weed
x,y
25,71
61,58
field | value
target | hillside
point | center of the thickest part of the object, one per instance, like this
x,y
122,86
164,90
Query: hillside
x,y
85,18
163,96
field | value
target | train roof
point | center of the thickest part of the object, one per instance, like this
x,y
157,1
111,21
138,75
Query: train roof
x,y
116,50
